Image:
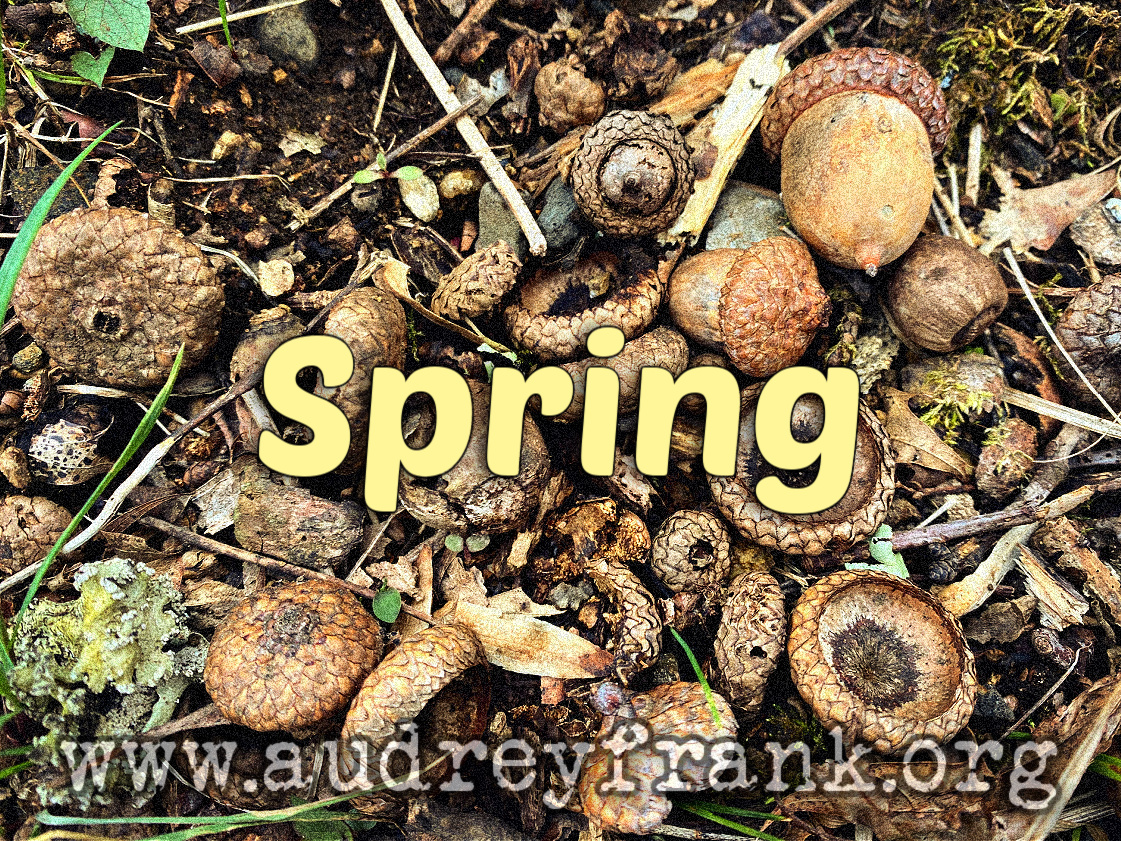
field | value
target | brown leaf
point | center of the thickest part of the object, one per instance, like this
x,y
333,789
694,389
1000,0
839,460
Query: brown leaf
x,y
217,61
916,443
1034,218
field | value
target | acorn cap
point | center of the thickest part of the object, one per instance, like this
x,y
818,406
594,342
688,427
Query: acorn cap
x,y
771,306
133,289
858,513
290,657
882,659
854,69
750,638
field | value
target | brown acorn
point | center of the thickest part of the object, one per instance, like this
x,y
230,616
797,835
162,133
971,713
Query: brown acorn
x,y
762,305
857,130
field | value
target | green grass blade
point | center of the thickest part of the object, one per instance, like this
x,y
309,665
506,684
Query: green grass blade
x,y
740,812
225,23
13,770
1107,766
22,750
700,675
138,437
738,827
13,260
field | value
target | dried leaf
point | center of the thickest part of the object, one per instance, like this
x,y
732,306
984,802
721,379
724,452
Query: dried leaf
x,y
217,502
296,141
916,443
1034,218
519,643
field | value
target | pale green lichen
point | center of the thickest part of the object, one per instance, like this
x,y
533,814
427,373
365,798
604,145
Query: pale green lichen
x,y
107,666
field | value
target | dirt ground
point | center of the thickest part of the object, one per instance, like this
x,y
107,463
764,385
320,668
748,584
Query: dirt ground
x,y
235,149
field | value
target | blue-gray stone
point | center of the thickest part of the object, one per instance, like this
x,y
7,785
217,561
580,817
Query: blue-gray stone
x,y
558,219
497,222
745,214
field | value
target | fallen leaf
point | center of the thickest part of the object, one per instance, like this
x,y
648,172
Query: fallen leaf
x,y
294,142
1034,218
916,443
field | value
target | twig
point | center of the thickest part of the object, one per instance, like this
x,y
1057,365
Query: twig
x,y
209,544
827,13
1046,695
470,20
340,191
248,13
385,87
960,230
973,166
467,128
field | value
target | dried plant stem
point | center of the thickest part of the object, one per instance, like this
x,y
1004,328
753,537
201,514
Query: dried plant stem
x,y
470,20
209,544
248,13
812,25
467,128
406,147
385,87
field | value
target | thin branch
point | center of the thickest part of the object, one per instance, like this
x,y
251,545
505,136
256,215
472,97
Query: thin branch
x,y
248,13
467,128
812,25
470,20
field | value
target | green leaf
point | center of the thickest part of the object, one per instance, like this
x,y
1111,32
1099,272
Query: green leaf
x,y
94,69
13,260
700,675
386,605
453,543
368,176
1107,766
119,23
407,173
887,560
380,162
478,542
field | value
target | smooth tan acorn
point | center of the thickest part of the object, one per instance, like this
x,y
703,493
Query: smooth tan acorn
x,y
857,130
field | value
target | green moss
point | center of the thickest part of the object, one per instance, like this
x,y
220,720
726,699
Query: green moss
x,y
1041,59
950,402
108,665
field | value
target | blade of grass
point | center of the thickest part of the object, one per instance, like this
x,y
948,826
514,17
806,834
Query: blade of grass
x,y
13,260
738,827
1107,767
138,437
740,812
225,23
13,770
700,675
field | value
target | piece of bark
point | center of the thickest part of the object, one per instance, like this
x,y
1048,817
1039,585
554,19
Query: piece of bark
x,y
1060,605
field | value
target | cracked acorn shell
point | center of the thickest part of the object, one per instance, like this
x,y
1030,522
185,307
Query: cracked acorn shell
x,y
857,515
136,290
750,638
291,657
882,659
857,129
632,174
762,306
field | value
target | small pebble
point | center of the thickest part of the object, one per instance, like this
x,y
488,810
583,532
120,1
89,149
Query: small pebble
x,y
277,277
420,197
745,214
497,222
461,182
284,36
558,219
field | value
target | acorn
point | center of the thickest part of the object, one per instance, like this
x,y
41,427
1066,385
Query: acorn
x,y
943,294
762,305
857,130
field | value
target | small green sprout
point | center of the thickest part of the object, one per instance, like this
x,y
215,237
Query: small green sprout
x,y
378,171
885,557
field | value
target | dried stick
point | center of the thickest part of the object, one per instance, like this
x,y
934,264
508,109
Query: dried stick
x,y
467,128
812,25
209,544
470,20
248,13
406,147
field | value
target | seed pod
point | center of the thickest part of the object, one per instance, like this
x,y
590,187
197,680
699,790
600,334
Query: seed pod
x,y
691,552
1090,329
632,174
678,712
857,129
29,527
750,639
291,657
372,323
762,306
475,286
859,512
135,290
404,682
881,659
566,97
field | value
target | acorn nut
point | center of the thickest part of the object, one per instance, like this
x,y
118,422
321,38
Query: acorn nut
x,y
882,659
291,657
632,174
857,130
762,306
750,638
943,294
135,290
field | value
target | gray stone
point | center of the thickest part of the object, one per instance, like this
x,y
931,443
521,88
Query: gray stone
x,y
420,197
558,216
497,222
745,214
285,37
